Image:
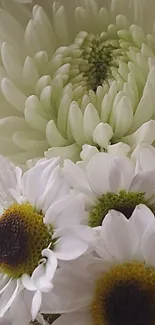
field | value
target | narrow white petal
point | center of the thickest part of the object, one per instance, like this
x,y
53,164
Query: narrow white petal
x,y
51,263
36,303
8,296
5,286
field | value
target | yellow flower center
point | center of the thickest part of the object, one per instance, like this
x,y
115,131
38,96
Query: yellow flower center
x,y
23,236
125,296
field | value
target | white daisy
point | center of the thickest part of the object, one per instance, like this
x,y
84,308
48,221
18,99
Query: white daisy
x,y
75,74
33,235
117,285
113,182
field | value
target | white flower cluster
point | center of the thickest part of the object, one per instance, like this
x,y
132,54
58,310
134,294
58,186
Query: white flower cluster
x,y
77,162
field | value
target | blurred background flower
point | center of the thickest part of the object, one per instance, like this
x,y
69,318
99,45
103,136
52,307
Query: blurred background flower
x,y
75,73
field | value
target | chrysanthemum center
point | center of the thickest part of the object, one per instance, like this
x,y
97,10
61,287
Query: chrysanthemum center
x,y
88,61
124,202
96,61
125,295
23,236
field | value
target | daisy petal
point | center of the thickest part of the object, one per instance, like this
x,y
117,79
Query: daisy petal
x,y
23,316
144,182
36,303
35,180
119,171
8,296
141,218
76,176
66,212
56,188
40,280
5,286
51,263
62,299
148,244
9,180
119,237
145,157
27,282
69,246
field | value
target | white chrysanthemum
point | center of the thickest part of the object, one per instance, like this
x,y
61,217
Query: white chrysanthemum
x,y
76,74
112,182
117,284
34,234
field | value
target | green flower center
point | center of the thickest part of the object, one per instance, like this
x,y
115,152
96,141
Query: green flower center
x,y
125,295
91,60
124,202
97,57
23,236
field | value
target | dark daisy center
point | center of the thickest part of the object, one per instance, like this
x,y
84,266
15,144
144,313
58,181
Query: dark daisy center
x,y
128,303
23,236
13,240
125,296
124,202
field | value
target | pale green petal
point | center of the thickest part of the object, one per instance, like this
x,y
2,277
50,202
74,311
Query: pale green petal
x,y
71,152
102,134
